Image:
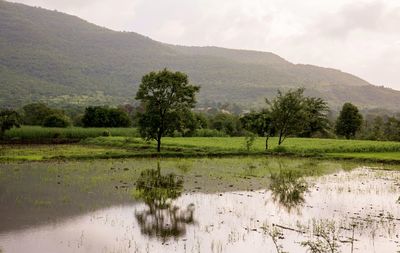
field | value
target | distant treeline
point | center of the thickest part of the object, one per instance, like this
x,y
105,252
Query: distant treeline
x,y
217,122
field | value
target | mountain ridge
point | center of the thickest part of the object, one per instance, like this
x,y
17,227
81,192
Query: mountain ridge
x,y
59,58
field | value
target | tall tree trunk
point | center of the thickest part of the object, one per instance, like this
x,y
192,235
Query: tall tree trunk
x,y
159,145
280,138
159,135
266,142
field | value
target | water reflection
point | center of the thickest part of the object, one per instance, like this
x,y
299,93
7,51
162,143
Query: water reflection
x,y
288,189
160,218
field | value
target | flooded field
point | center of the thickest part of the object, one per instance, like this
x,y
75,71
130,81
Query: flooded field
x,y
199,205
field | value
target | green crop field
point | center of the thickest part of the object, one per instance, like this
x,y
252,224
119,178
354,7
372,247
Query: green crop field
x,y
37,133
123,147
291,145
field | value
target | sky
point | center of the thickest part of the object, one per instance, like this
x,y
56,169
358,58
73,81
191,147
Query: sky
x,y
361,37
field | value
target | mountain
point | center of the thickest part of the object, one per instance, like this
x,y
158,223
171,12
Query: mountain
x,y
58,58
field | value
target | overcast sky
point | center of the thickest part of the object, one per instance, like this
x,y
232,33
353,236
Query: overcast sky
x,y
361,37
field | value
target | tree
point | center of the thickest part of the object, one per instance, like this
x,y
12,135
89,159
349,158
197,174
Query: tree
x,y
315,116
227,123
166,96
35,113
8,120
57,120
102,116
349,121
392,129
287,113
259,123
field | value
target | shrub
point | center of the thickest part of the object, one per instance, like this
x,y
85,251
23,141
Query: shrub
x,y
249,140
57,120
100,116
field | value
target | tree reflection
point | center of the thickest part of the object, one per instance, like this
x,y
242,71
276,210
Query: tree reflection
x,y
288,189
161,218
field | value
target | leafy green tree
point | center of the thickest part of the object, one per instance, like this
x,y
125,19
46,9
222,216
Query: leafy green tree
x,y
166,96
287,113
259,123
374,128
227,123
202,120
8,120
102,116
349,121
57,120
392,129
35,113
315,116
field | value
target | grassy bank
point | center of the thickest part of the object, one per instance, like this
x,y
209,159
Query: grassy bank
x,y
128,147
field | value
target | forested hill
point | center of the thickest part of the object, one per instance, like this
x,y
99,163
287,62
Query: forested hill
x,y
50,56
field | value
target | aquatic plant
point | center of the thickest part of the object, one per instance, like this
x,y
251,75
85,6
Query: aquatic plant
x,y
324,237
276,234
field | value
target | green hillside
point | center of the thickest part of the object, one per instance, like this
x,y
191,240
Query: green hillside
x,y
58,58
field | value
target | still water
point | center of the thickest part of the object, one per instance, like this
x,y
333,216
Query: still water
x,y
345,209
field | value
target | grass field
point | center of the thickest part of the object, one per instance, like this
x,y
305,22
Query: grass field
x,y
37,133
125,147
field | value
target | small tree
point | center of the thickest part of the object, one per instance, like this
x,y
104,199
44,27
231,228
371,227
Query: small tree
x,y
259,123
287,113
349,121
166,96
315,116
57,120
35,113
103,116
8,120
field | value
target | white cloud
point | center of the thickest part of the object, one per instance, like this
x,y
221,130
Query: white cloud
x,y
361,37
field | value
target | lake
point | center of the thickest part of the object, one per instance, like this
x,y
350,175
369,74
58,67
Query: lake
x,y
238,204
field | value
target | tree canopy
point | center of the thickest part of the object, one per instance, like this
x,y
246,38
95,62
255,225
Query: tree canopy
x,y
166,96
349,121
8,120
287,113
102,116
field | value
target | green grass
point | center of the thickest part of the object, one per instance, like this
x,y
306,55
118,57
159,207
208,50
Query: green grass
x,y
47,152
125,147
236,144
37,133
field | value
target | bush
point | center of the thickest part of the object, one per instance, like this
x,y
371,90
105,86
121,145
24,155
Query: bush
x,y
100,116
249,140
57,120
106,133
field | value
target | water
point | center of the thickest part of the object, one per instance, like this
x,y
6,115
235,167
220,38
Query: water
x,y
352,210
